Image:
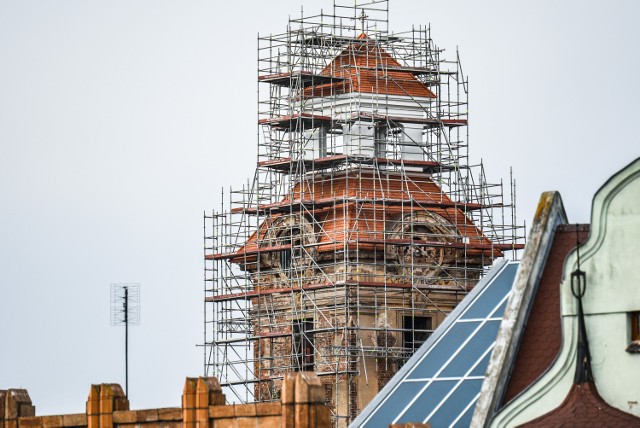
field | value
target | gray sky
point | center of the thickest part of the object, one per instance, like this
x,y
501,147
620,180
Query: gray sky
x,y
120,121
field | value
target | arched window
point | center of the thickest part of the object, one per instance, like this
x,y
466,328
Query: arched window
x,y
289,243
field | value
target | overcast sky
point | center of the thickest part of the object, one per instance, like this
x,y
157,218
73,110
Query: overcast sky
x,y
121,120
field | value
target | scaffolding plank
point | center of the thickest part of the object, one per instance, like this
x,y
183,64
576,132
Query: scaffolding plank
x,y
361,243
309,121
301,79
286,165
408,119
323,286
312,204
418,70
297,122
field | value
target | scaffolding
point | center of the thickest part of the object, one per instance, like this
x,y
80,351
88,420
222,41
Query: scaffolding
x,y
364,224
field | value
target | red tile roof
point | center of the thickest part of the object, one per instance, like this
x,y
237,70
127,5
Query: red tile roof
x,y
583,407
541,341
369,186
366,222
368,68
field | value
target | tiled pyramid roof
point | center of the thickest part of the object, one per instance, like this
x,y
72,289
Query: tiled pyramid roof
x,y
368,68
366,222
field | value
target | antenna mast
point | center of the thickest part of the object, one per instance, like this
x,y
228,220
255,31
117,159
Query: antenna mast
x,y
125,310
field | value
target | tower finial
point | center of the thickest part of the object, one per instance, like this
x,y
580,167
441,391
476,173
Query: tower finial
x,y
362,17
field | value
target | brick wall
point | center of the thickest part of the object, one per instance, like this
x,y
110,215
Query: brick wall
x,y
203,406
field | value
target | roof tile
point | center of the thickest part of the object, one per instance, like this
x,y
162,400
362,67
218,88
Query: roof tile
x,y
368,68
540,342
583,407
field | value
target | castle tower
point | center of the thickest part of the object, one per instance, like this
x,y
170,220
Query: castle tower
x,y
364,225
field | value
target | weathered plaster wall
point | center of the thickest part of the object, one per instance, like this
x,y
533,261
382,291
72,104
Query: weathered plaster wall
x,y
610,259
617,373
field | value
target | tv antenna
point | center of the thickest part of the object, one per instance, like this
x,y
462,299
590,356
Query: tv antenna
x,y
125,310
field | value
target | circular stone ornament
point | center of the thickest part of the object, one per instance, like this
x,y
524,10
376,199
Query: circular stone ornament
x,y
416,258
297,261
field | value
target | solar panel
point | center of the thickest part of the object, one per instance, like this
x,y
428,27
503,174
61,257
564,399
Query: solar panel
x,y
441,383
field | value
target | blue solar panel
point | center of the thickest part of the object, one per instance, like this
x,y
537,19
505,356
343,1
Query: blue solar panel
x,y
464,420
477,346
502,307
426,401
440,384
481,368
441,351
398,400
456,403
491,296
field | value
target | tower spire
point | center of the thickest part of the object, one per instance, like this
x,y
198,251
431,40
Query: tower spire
x,y
362,18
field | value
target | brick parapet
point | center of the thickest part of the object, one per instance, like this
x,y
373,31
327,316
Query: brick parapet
x,y
203,406
3,398
105,400
16,405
